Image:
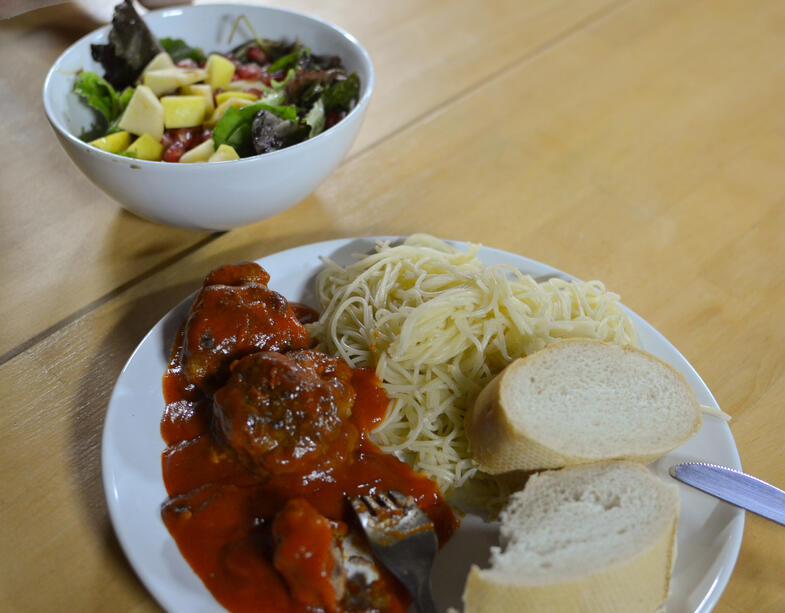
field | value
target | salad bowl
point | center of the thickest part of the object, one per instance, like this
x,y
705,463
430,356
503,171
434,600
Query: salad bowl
x,y
216,195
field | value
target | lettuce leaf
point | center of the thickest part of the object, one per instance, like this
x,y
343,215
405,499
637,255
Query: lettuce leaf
x,y
271,133
316,118
341,94
99,94
274,98
130,48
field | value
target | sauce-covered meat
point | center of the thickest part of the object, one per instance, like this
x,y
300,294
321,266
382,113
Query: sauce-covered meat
x,y
281,412
262,453
244,273
308,555
235,314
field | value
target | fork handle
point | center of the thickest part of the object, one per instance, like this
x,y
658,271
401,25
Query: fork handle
x,y
423,599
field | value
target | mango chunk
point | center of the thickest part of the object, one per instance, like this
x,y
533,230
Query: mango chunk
x,y
160,61
145,148
200,89
224,96
200,153
219,71
113,143
183,111
224,153
168,80
144,114
243,84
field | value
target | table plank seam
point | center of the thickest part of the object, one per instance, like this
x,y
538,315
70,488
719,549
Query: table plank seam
x,y
105,298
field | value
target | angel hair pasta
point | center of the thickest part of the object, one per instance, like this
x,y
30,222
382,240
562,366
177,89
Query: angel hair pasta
x,y
437,325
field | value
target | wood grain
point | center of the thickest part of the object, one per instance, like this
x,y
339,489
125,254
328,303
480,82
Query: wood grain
x,y
640,143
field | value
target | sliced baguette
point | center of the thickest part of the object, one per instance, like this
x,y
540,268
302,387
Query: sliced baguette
x,y
580,401
591,538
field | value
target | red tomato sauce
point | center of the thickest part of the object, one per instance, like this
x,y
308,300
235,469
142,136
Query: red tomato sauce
x,y
220,513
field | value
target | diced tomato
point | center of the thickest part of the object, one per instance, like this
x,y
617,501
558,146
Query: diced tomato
x,y
186,135
206,133
178,141
278,75
174,152
248,72
167,139
189,137
333,117
257,55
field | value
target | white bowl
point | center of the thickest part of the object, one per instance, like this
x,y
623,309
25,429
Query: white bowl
x,y
217,195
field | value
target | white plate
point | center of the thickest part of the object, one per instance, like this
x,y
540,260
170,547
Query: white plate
x,y
709,532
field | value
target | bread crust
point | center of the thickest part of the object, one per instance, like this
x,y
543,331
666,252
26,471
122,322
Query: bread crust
x,y
637,583
501,443
638,586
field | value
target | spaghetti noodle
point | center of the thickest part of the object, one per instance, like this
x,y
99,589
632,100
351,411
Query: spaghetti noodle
x,y
437,325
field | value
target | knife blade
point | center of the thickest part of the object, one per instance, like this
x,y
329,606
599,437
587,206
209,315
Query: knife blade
x,y
734,486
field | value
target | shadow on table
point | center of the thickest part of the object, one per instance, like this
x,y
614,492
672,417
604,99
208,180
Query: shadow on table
x,y
102,370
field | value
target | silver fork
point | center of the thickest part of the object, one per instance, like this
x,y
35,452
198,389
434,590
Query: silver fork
x,y
402,538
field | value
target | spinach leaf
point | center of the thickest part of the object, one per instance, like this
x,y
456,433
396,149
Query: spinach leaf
x,y
178,50
288,112
341,94
289,60
234,128
276,85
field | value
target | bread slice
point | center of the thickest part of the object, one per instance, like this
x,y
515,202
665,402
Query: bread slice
x,y
590,538
580,401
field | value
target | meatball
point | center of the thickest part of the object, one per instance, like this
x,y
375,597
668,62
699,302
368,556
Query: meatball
x,y
233,315
244,273
282,412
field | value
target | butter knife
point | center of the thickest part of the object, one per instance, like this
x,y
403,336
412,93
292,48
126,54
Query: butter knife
x,y
735,487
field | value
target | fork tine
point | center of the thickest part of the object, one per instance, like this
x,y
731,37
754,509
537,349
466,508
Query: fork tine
x,y
401,535
386,501
359,506
372,505
402,500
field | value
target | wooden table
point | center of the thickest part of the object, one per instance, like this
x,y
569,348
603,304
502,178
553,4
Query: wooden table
x,y
641,142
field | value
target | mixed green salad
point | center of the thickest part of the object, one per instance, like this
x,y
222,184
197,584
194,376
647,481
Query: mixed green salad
x,y
162,99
